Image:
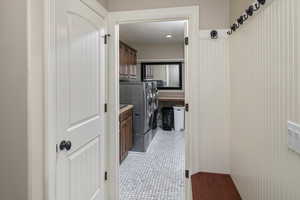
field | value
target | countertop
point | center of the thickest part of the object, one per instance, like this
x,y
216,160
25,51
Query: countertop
x,y
126,108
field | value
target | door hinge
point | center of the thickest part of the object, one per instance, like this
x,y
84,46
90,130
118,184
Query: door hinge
x,y
106,36
105,176
187,107
186,40
105,107
187,173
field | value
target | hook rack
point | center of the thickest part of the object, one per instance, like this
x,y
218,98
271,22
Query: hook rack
x,y
249,12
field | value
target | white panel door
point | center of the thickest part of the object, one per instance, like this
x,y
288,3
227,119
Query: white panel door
x,y
80,101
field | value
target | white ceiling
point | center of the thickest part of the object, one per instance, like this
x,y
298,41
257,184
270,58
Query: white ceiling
x,y
152,33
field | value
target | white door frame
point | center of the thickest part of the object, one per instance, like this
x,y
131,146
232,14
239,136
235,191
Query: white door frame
x,y
115,18
50,90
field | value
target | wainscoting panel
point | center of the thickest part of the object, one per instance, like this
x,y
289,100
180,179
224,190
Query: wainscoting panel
x,y
264,73
213,137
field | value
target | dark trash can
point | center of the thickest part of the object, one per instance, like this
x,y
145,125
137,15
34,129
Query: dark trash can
x,y
167,118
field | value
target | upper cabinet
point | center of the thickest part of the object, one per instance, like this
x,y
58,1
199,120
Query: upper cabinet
x,y
128,62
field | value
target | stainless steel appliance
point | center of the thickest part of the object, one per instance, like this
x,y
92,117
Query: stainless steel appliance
x,y
140,95
155,94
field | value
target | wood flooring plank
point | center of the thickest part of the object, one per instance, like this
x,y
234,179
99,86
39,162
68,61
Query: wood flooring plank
x,y
209,186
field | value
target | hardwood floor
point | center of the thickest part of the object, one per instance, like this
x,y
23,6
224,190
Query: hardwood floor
x,y
208,186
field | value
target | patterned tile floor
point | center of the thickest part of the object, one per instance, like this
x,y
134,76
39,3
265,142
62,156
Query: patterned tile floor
x,y
157,174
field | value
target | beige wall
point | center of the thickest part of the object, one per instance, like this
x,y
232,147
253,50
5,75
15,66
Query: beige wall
x,y
159,53
264,96
237,7
13,121
214,14
104,3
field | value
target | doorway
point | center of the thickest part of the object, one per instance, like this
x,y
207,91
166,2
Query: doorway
x,y
158,15
152,94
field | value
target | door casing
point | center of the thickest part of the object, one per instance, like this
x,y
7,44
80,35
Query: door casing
x,y
191,14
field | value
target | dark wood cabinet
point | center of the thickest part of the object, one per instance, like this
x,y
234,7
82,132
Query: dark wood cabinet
x,y
122,61
128,62
126,133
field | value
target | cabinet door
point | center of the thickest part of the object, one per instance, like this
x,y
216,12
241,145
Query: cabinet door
x,y
134,64
126,135
123,140
131,58
127,62
130,133
121,60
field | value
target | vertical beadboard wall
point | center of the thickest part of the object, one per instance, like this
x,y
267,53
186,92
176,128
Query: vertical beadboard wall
x,y
264,74
213,143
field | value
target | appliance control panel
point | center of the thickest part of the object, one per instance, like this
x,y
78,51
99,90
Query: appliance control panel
x,y
294,137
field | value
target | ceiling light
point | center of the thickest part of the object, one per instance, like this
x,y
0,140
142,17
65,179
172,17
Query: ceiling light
x,y
169,36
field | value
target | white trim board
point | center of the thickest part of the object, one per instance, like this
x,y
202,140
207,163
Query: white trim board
x,y
166,14
35,98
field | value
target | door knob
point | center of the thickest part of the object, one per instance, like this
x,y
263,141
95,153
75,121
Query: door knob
x,y
68,145
62,145
65,145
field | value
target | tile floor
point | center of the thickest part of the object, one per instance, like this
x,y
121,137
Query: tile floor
x,y
157,174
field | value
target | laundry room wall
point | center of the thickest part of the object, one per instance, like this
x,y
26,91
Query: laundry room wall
x,y
158,53
265,89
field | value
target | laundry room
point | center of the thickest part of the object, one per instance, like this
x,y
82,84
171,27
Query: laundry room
x,y
152,108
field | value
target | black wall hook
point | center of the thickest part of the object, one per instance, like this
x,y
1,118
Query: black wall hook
x,y
250,10
262,2
257,6
234,27
240,20
214,34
